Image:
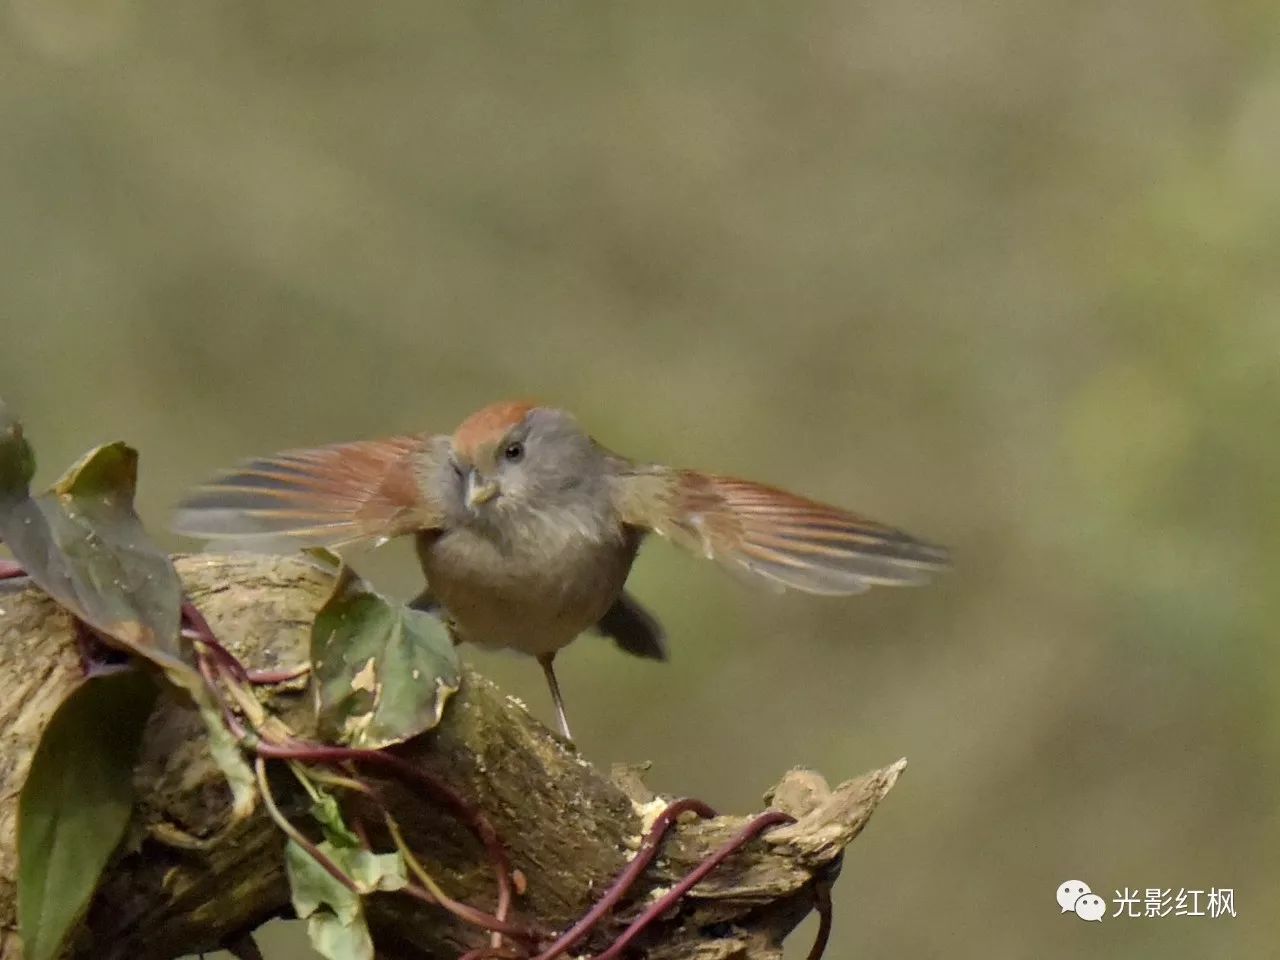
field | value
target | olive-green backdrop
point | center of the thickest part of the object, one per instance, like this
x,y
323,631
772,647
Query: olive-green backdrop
x,y
1002,273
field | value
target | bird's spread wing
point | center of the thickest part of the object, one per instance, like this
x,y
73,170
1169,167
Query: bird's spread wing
x,y
326,496
784,538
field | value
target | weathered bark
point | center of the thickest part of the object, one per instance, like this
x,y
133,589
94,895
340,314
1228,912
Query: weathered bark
x,y
188,879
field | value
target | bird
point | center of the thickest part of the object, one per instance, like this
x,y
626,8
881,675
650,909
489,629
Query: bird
x,y
526,527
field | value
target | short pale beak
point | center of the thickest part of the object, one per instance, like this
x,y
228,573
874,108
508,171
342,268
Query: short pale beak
x,y
479,491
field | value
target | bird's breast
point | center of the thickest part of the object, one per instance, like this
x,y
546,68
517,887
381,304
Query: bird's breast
x,y
533,592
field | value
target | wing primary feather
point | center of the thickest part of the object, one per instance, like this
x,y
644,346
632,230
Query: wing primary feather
x,y
781,537
326,496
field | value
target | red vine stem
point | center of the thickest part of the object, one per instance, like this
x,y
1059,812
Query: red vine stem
x,y
469,914
266,678
821,903
218,659
693,878
627,879
294,834
474,818
430,891
479,825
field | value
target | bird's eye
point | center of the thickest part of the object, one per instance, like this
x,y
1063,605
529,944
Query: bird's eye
x,y
514,452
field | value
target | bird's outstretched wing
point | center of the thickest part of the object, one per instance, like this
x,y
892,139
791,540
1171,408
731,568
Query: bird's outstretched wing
x,y
786,539
325,496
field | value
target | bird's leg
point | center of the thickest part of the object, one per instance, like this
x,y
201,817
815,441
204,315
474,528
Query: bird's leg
x,y
549,670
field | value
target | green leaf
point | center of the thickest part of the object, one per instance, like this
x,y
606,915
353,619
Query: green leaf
x,y
332,938
225,750
76,804
328,814
83,545
334,914
372,871
382,672
312,887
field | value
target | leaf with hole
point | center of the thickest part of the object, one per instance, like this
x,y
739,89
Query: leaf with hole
x,y
382,672
76,803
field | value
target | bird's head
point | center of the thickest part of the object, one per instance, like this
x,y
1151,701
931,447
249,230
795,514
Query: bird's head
x,y
516,455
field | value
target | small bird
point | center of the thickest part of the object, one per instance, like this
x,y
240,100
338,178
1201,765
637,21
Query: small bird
x,y
526,527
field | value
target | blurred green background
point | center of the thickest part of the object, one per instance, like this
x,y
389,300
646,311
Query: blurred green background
x,y
1003,274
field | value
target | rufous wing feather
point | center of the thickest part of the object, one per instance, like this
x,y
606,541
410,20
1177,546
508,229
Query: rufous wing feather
x,y
326,496
784,538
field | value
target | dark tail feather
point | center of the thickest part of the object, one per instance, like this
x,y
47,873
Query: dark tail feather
x,y
634,629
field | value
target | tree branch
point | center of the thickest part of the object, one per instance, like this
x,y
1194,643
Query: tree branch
x,y
189,879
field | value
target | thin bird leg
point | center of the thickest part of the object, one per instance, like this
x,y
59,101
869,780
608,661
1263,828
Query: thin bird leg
x,y
550,672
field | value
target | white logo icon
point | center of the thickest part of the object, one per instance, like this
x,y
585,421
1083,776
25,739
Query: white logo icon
x,y
1074,896
1091,907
